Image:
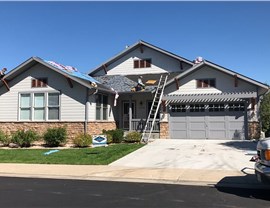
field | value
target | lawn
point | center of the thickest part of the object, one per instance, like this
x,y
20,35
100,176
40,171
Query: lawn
x,y
83,156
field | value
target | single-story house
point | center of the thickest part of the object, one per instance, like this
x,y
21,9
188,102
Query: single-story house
x,y
199,100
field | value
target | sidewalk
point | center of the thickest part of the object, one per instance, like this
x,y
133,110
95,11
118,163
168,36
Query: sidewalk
x,y
131,174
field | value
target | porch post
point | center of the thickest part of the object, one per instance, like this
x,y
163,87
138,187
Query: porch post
x,y
130,113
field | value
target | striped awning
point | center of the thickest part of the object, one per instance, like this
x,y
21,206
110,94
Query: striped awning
x,y
209,97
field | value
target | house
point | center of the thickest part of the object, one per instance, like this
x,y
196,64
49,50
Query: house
x,y
201,100
39,94
198,100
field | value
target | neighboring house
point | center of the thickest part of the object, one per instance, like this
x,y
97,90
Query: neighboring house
x,y
39,94
201,100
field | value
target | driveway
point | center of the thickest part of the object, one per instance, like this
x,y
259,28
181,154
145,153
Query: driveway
x,y
193,154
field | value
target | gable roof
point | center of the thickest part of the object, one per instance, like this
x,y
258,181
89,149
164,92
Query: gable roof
x,y
74,75
219,68
133,47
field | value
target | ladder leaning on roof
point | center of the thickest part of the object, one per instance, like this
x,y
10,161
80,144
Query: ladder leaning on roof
x,y
154,108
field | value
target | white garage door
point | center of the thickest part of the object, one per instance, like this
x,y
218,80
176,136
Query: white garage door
x,y
211,121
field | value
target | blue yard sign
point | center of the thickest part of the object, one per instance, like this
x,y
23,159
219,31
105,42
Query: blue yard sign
x,y
99,140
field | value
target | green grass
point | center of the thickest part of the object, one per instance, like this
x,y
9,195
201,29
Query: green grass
x,y
84,156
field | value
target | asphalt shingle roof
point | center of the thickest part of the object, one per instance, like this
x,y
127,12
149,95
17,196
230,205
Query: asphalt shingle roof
x,y
120,83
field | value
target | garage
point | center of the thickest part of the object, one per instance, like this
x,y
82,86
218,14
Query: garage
x,y
207,121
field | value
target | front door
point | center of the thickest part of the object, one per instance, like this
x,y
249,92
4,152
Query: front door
x,y
125,114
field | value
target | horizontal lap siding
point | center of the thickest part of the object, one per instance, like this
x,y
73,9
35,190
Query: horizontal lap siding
x,y
224,83
72,99
160,63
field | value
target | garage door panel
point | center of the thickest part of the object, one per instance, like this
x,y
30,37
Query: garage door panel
x,y
196,125
178,134
179,125
217,125
197,134
217,134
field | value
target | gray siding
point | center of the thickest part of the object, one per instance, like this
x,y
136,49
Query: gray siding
x,y
160,63
224,83
72,100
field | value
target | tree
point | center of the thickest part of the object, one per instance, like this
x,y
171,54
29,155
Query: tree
x,y
265,114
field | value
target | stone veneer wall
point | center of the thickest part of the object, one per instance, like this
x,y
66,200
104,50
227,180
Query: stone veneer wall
x,y
164,130
73,128
254,130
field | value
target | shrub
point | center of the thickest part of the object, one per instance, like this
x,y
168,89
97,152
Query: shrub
x,y
4,139
82,140
117,135
265,114
24,138
133,137
53,137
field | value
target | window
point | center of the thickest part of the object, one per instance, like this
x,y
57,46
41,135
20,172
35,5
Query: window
x,y
197,108
143,63
101,107
216,107
39,106
53,106
40,82
178,108
206,83
25,108
236,106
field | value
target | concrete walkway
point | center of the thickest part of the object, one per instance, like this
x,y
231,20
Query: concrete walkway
x,y
172,166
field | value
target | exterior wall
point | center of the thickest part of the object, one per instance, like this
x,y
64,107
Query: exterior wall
x,y
72,100
92,107
224,83
73,128
161,63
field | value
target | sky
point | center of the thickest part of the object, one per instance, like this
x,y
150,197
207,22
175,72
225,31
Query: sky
x,y
235,35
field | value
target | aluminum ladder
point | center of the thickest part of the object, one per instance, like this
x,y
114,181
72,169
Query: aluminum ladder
x,y
154,108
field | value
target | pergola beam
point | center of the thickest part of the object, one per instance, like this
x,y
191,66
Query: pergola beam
x,y
240,95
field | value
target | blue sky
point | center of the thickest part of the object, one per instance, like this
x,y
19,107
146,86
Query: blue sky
x,y
235,35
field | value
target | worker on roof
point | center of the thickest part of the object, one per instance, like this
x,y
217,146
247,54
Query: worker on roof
x,y
140,84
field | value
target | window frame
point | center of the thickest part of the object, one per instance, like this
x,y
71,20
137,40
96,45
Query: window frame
x,y
39,82
206,83
33,106
102,106
142,63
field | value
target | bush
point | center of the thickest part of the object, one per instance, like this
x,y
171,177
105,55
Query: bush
x,y
53,137
82,140
133,137
265,114
117,135
4,139
24,138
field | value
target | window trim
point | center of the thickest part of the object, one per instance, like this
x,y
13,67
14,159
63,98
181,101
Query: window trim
x,y
142,63
39,82
102,107
32,106
202,84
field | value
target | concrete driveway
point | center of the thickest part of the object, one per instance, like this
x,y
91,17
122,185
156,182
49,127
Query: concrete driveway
x,y
193,154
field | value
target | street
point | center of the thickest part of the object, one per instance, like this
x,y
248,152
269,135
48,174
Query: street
x,y
28,192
